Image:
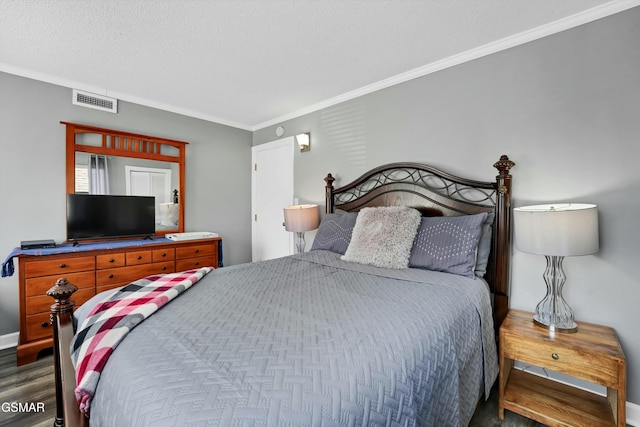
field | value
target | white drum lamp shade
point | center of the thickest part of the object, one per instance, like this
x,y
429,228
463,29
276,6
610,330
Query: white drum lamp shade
x,y
556,231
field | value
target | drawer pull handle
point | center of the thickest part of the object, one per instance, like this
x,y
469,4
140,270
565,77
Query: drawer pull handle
x,y
197,250
164,268
63,265
164,255
197,263
111,276
45,324
112,260
555,356
139,256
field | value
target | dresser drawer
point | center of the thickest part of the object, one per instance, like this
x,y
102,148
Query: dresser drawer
x,y
40,285
43,303
159,255
38,326
125,275
138,257
188,264
110,261
562,358
59,266
196,251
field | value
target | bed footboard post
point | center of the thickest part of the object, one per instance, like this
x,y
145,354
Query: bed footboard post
x,y
328,189
67,412
502,242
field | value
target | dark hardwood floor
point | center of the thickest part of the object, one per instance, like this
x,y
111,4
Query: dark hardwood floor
x,y
35,383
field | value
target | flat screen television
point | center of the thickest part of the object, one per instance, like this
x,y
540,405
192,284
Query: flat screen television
x,y
92,216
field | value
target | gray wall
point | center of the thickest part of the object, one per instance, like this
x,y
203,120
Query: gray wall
x,y
32,171
565,108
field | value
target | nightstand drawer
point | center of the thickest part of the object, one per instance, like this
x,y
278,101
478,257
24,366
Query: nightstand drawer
x,y
563,359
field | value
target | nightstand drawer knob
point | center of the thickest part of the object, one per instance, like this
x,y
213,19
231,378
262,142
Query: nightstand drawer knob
x,y
555,356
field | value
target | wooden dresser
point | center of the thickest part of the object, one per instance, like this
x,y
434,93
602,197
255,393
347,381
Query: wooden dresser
x,y
95,271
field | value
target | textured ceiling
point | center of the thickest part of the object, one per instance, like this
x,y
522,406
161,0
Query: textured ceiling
x,y
251,63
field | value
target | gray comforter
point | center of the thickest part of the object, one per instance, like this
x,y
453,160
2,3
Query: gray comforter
x,y
306,340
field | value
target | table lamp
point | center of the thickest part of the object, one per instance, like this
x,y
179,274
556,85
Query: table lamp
x,y
556,231
301,218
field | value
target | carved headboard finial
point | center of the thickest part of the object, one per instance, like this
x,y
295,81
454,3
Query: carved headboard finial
x,y
503,165
62,292
329,180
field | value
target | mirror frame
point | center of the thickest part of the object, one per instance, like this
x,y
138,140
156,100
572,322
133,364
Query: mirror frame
x,y
126,144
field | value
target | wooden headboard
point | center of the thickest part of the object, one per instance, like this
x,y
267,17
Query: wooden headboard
x,y
437,193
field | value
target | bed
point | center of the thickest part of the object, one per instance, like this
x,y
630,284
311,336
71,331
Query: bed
x,y
324,337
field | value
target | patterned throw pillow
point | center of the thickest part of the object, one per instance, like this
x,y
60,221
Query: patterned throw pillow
x,y
448,244
383,236
334,233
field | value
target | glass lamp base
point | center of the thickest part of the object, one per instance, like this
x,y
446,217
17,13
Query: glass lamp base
x,y
567,328
553,312
300,242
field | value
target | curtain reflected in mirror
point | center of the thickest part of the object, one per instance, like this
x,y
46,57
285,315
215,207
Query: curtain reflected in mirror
x,y
98,174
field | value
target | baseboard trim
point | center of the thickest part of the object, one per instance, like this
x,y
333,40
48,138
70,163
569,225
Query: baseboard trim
x,y
9,340
633,414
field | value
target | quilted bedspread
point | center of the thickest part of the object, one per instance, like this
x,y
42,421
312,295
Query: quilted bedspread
x,y
306,340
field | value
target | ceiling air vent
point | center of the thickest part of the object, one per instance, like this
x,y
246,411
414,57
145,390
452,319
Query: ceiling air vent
x,y
91,100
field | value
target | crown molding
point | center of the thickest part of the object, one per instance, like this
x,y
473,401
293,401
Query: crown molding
x,y
572,21
59,81
554,27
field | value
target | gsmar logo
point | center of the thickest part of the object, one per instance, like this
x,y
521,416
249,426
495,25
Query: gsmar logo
x,y
22,407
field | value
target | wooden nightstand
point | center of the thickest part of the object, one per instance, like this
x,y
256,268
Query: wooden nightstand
x,y
592,354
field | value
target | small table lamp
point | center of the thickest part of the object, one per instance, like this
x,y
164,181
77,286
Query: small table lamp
x,y
556,231
301,218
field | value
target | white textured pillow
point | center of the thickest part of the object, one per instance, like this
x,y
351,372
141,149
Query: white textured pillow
x,y
383,236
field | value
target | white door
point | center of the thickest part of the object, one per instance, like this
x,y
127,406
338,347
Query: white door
x,y
142,181
271,191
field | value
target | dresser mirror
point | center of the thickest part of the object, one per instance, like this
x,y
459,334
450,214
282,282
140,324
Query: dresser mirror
x,y
106,161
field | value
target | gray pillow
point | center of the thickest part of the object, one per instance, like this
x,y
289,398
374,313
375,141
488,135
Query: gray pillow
x,y
383,236
484,247
334,233
448,244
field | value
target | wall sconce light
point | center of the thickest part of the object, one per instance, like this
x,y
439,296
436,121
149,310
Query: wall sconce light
x,y
304,141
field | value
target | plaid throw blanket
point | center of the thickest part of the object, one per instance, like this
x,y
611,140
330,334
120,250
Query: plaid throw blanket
x,y
111,320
